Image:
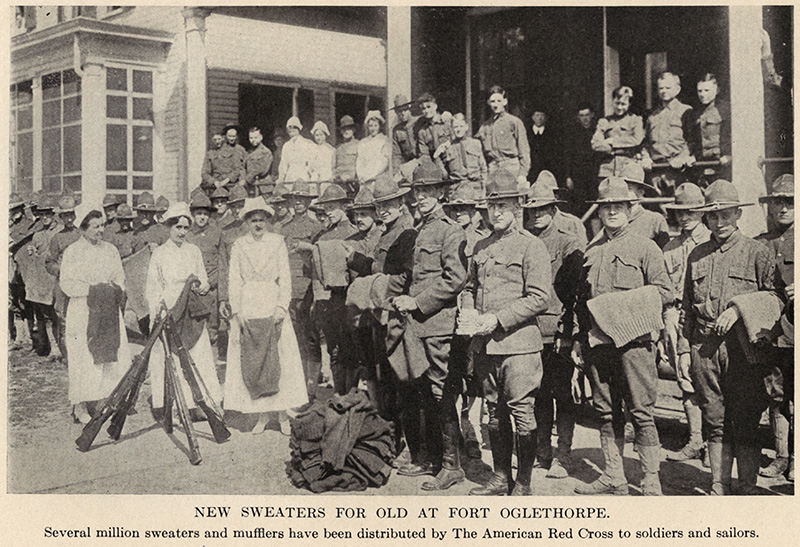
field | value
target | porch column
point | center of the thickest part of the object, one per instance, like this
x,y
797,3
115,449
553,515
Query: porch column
x,y
93,131
196,117
747,113
610,68
398,56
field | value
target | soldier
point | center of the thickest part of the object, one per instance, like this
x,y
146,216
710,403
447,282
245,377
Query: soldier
x,y
433,129
508,286
224,164
295,154
619,136
219,201
20,229
462,158
110,203
147,231
729,383
668,133
780,379
232,227
346,153
404,139
124,239
712,126
563,221
207,236
257,163
645,223
504,140
622,368
559,375
302,228
429,303
280,202
162,204
693,232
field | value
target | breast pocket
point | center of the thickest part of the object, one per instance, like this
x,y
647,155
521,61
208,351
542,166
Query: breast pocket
x,y
473,158
505,140
700,276
742,280
509,270
627,274
428,258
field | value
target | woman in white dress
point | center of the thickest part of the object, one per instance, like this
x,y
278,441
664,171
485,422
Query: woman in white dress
x,y
260,287
170,266
374,150
89,262
324,159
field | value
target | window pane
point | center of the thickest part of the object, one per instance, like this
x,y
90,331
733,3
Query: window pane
x,y
24,155
116,106
25,92
142,81
51,113
142,109
116,182
117,78
51,86
25,118
142,148
116,148
142,183
72,83
72,109
51,185
72,184
51,152
72,149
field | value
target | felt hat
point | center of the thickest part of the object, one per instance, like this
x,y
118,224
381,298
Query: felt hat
x,y
301,188
541,194
546,179
364,199
687,196
200,200
333,193
387,189
46,203
145,202
613,190
220,193
294,121
252,205
232,126
14,201
279,194
428,173
782,187
633,172
179,209
374,114
401,102
238,193
162,204
720,195
463,194
320,126
502,184
124,211
346,121
66,205
110,200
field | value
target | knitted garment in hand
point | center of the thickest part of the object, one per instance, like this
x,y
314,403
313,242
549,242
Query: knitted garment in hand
x,y
102,330
261,367
625,316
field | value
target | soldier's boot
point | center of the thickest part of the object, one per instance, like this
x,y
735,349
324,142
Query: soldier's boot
x,y
562,463
412,428
526,453
747,465
720,456
650,458
612,481
693,449
780,427
544,448
451,472
500,483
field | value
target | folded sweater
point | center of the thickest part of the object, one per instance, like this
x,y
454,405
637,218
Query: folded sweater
x,y
626,315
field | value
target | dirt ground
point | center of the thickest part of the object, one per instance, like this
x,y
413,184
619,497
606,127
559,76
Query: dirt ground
x,y
43,458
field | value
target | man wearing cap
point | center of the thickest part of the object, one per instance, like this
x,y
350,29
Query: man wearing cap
x,y
302,228
434,130
462,158
562,221
124,239
556,328
219,201
508,286
162,204
429,302
323,160
726,374
207,236
110,203
224,163
295,154
780,378
404,137
504,140
615,340
147,231
344,173
645,223
688,196
668,132
68,235
280,202
257,163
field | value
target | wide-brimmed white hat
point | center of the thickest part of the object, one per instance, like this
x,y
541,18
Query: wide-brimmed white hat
x,y
374,114
294,121
252,205
179,209
320,126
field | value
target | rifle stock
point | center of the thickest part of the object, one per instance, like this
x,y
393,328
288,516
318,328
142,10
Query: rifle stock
x,y
183,412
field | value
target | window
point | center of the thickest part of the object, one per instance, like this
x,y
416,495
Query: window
x,y
61,132
21,133
129,129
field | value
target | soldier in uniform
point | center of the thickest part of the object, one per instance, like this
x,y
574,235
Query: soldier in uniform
x,y
712,126
346,153
19,231
162,204
780,378
619,136
147,231
433,130
280,202
232,227
404,139
728,381
668,133
301,227
110,203
504,139
642,222
616,263
559,375
437,277
257,163
508,286
124,239
563,221
224,163
462,159
219,201
688,196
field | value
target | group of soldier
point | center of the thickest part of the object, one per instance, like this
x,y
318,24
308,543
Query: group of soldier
x,y
446,292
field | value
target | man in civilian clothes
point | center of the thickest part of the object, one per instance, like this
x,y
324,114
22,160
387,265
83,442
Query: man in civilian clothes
x,y
508,286
581,160
545,146
504,140
616,262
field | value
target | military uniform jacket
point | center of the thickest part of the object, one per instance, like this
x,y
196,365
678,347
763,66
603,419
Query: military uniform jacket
x,y
431,134
438,275
463,160
510,277
58,244
503,137
226,162
229,233
39,283
669,130
782,246
342,230
209,240
649,224
627,135
365,245
394,254
571,225
257,164
676,255
110,229
145,234
346,154
124,241
712,128
300,228
404,142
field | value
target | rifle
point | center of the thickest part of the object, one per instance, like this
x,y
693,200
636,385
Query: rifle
x,y
183,412
122,398
200,393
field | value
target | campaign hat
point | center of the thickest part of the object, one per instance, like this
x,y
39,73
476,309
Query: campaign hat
x,y
462,195
303,189
428,173
238,193
124,211
502,184
162,204
145,202
364,199
633,172
220,193
541,194
386,189
720,195
200,201
782,187
401,102
687,196
613,190
66,205
332,194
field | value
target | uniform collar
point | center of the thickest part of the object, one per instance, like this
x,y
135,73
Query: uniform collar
x,y
436,214
512,230
699,233
622,232
730,242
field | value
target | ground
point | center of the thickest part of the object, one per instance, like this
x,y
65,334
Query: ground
x,y
42,456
